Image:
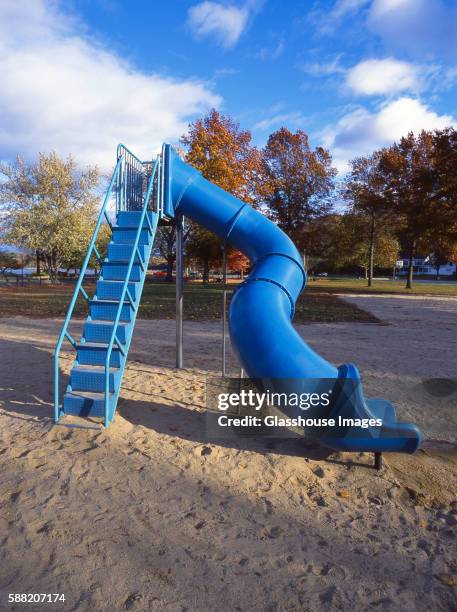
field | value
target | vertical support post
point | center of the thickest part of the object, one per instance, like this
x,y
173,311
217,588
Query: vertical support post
x,y
240,384
179,288
56,389
378,461
224,308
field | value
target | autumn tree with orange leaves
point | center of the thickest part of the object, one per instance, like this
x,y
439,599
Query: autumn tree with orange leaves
x,y
224,154
237,262
297,184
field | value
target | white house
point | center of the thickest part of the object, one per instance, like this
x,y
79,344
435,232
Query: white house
x,y
423,266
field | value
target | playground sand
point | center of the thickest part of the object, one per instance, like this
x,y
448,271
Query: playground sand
x,y
149,515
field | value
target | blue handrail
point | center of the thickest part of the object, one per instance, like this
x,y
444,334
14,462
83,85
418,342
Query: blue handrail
x,y
64,333
125,291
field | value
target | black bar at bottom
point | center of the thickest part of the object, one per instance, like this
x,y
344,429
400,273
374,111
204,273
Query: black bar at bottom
x,y
378,461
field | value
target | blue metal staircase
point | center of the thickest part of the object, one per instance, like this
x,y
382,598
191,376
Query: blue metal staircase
x,y
101,353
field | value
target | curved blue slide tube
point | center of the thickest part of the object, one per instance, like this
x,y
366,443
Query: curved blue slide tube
x,y
261,312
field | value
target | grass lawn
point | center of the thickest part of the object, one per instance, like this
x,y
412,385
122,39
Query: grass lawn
x,y
158,302
350,285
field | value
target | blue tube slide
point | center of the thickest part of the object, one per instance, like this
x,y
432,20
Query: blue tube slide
x,y
261,312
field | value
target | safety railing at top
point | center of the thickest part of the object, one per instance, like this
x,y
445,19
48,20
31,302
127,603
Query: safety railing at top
x,y
132,180
125,183
136,254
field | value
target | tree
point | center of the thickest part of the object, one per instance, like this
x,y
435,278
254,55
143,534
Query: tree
x,y
166,243
237,262
202,246
420,180
296,183
364,188
441,234
351,244
408,168
443,250
224,154
8,261
49,206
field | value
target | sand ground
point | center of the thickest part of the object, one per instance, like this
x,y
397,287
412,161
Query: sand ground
x,y
150,515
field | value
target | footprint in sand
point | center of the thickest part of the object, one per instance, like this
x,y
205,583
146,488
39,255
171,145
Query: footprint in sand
x,y
328,573
15,496
273,532
135,601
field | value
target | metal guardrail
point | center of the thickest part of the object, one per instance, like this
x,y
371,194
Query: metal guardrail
x,y
64,334
125,290
130,180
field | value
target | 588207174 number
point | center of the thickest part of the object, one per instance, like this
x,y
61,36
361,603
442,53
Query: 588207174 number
x,y
35,597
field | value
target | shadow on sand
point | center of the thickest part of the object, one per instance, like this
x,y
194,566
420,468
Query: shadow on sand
x,y
26,380
27,392
189,424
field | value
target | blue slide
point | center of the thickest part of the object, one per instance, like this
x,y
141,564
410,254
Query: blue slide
x,y
262,309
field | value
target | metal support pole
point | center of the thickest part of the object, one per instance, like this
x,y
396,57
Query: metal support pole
x,y
240,384
378,461
224,308
179,288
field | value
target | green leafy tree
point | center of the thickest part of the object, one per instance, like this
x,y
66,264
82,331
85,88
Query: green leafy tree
x,y
443,250
50,207
408,168
421,184
350,244
365,190
441,235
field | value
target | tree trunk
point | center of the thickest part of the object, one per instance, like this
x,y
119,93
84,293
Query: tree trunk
x,y
206,270
171,258
409,282
371,254
38,262
51,265
169,276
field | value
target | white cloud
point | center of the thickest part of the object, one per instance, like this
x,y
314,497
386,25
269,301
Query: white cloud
x,y
386,76
266,53
381,7
328,21
361,131
422,28
324,68
344,7
226,23
293,120
62,91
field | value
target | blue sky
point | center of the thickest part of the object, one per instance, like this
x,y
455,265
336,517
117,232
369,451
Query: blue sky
x,y
80,75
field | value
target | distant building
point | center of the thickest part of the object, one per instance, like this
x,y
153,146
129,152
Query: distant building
x,y
423,266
